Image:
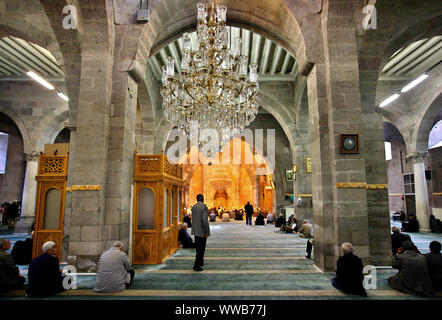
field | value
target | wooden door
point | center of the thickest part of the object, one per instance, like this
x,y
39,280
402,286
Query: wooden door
x,y
50,215
144,237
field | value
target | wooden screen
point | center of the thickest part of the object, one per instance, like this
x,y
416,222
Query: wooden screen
x,y
155,243
50,203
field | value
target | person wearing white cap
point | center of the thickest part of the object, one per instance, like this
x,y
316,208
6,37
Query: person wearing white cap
x,y
44,275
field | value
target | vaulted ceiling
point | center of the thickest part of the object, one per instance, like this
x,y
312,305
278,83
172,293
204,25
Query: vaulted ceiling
x,y
274,63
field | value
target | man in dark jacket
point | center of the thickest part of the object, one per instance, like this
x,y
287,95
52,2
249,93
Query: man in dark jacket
x,y
22,251
412,277
412,225
434,264
249,212
349,275
201,230
435,224
44,273
397,238
280,221
260,219
10,278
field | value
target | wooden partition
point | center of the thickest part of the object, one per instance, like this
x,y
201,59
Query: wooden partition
x,y
50,203
157,187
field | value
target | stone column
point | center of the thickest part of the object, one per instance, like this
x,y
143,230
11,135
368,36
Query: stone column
x,y
421,192
29,194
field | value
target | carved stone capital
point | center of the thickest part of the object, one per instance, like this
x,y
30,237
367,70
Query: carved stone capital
x,y
418,157
31,156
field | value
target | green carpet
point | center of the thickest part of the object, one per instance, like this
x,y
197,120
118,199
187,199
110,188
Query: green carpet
x,y
241,262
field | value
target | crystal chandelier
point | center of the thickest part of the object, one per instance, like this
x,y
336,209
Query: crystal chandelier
x,y
213,89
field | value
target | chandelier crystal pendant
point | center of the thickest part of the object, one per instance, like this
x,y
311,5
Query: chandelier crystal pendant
x,y
213,88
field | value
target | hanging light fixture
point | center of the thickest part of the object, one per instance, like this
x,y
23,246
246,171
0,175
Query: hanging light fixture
x,y
214,89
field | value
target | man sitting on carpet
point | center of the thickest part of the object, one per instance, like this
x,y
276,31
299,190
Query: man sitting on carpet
x,y
185,238
270,218
290,228
397,238
434,264
412,277
259,219
349,275
22,251
114,271
280,221
44,275
306,230
10,278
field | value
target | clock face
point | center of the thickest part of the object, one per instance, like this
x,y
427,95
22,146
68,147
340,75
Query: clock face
x,y
349,143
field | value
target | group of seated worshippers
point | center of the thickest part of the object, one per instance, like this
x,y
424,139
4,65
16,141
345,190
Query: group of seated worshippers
x,y
435,224
291,225
46,279
418,274
184,238
410,225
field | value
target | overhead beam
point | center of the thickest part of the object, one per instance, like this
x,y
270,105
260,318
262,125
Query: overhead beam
x,y
285,64
276,58
256,44
265,56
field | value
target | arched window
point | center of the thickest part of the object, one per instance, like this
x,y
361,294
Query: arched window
x,y
166,208
52,210
146,200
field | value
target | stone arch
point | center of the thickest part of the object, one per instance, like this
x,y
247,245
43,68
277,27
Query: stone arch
x,y
279,20
425,121
20,125
49,127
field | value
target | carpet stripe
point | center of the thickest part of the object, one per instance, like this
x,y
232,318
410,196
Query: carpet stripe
x,y
171,271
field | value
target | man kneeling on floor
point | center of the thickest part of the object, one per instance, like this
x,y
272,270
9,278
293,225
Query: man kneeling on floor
x,y
114,271
349,275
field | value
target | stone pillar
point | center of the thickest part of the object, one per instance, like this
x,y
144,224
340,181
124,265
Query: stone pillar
x,y
29,194
421,192
302,185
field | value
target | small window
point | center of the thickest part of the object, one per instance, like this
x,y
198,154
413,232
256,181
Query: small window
x,y
4,137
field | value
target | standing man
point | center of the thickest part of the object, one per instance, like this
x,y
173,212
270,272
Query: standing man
x,y
201,230
249,213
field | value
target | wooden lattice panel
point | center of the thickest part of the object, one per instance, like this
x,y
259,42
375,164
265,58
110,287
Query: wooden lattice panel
x,y
149,164
52,165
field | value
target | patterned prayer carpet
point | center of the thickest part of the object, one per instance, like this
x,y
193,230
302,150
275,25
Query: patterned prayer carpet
x,y
242,263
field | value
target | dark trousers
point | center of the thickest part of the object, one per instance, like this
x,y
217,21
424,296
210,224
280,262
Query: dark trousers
x,y
200,246
309,248
132,275
249,219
